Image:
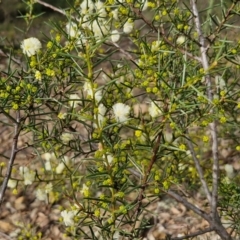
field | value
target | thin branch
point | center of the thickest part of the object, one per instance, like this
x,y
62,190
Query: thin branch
x,y
215,219
51,7
12,157
214,34
212,126
128,56
201,232
146,176
215,223
138,12
162,32
7,55
5,237
189,205
200,171
215,169
183,51
7,115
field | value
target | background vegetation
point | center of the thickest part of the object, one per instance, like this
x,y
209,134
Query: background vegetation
x,y
115,126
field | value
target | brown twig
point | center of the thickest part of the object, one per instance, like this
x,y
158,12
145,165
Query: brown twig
x,y
201,232
163,35
51,7
212,125
146,176
12,157
215,223
200,171
5,237
214,34
14,60
189,205
7,115
183,51
215,219
138,12
7,55
127,55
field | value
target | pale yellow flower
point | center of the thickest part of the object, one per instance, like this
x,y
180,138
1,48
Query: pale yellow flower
x,y
62,115
60,167
68,217
49,156
48,166
12,183
145,5
115,36
31,46
128,27
181,40
100,29
28,175
38,75
85,190
100,8
121,112
115,14
154,110
41,195
73,99
155,46
48,188
100,115
67,137
87,87
72,30
87,6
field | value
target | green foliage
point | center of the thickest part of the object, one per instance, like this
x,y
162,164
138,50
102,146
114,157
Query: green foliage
x,y
229,202
117,125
